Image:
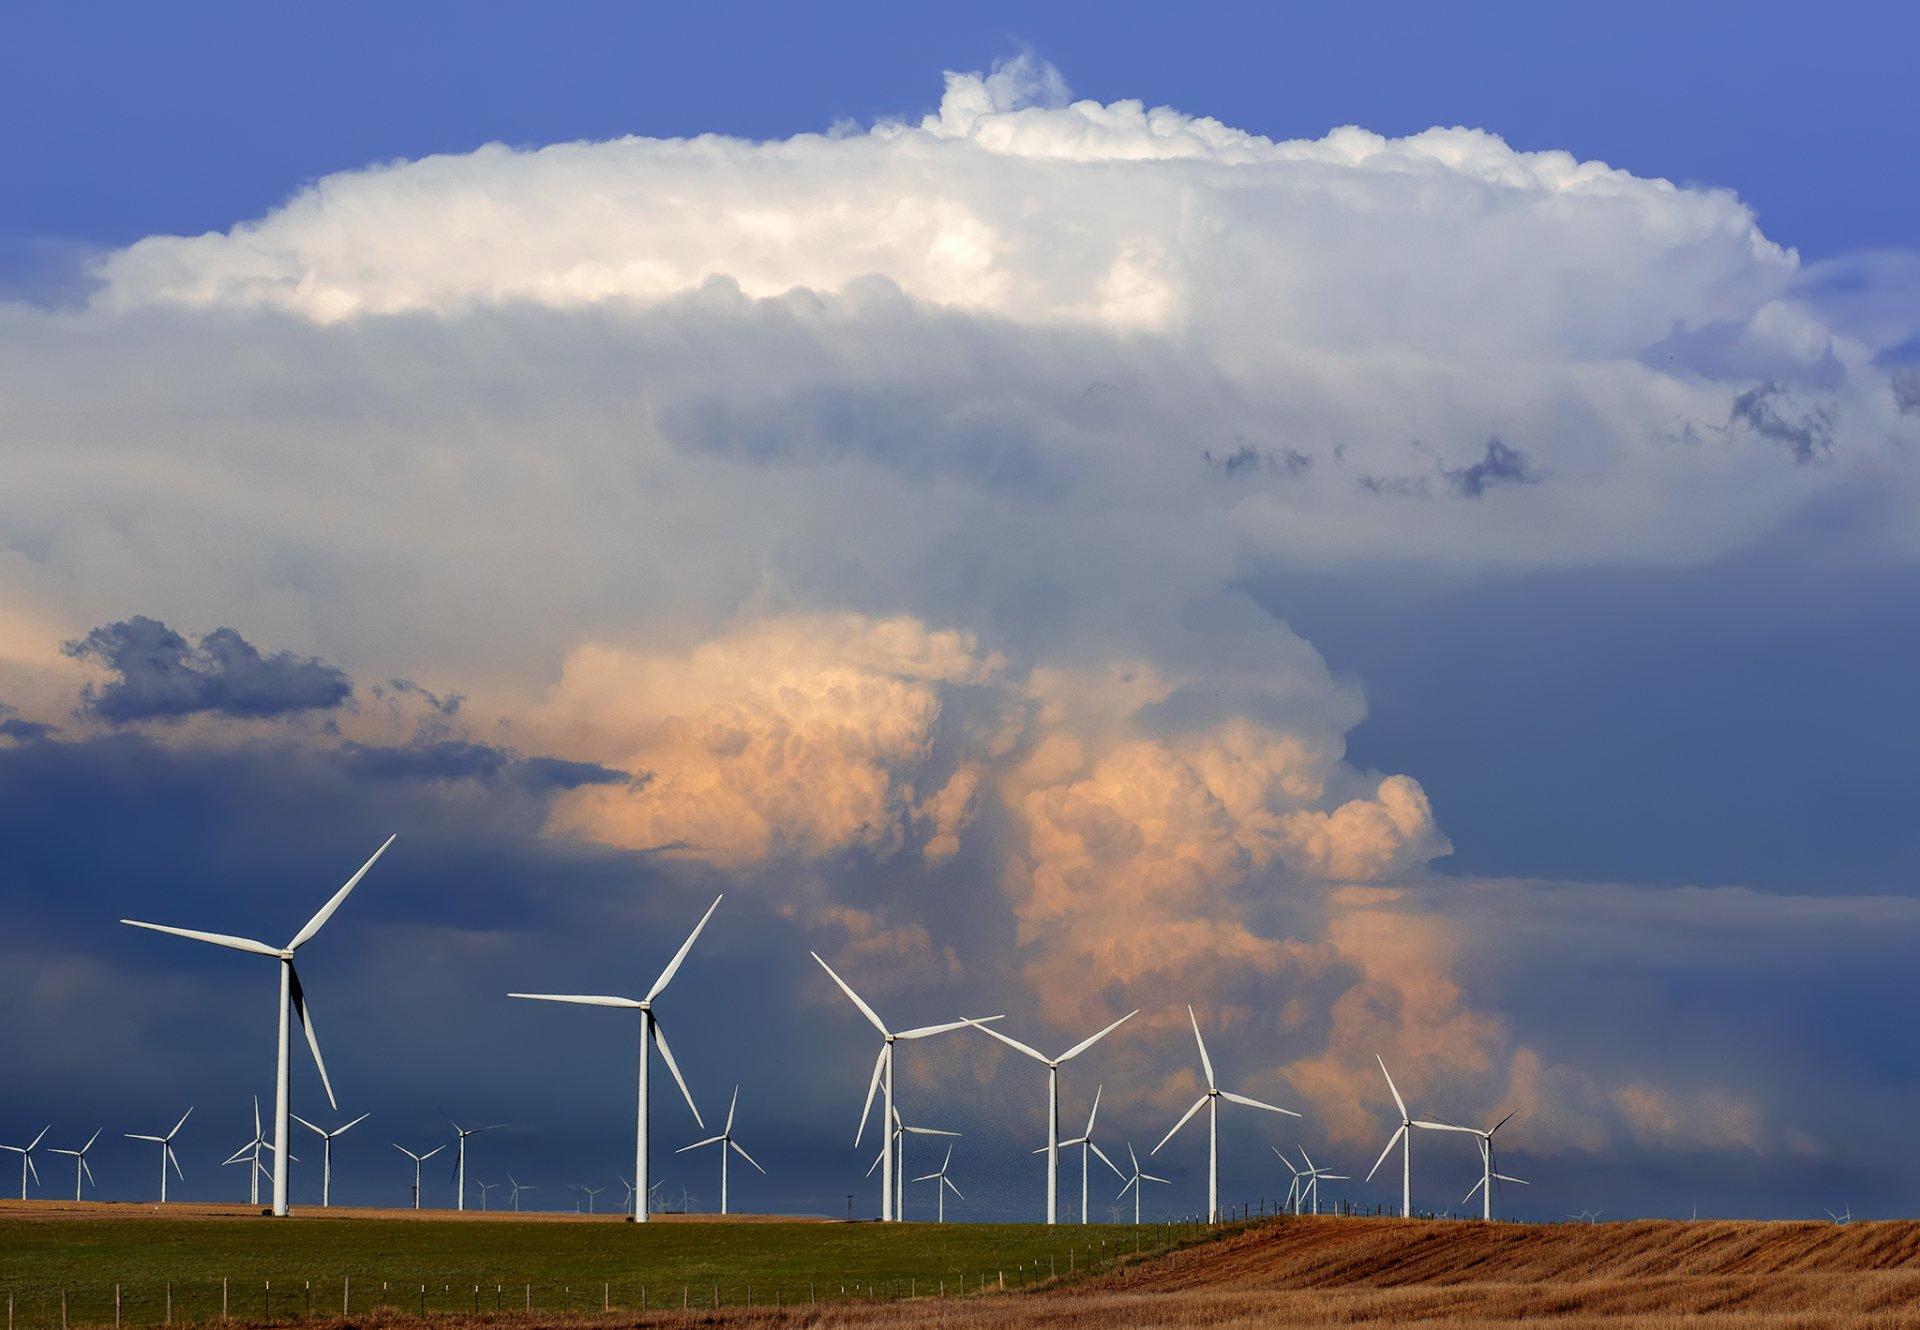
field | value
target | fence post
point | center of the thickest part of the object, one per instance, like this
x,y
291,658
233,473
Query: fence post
x,y
116,1307
169,1302
605,1304
63,1309
529,1297
223,1297
346,1284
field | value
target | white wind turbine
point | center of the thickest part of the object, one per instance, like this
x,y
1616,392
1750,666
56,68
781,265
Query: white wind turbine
x,y
883,1072
897,1143
1053,1100
166,1151
590,1193
80,1165
1293,1187
1489,1174
1211,1102
484,1187
250,1154
726,1142
417,1161
1314,1176
1403,1137
650,1038
292,1003
26,1159
514,1188
326,1152
460,1157
1085,1141
1136,1183
942,1184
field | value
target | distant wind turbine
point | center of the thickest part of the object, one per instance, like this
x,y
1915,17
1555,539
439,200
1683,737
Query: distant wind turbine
x,y
484,1187
460,1157
1403,1137
590,1193
166,1151
80,1165
1211,1102
1053,1103
1293,1186
417,1161
629,1189
293,1003
1489,1174
650,1038
942,1184
249,1154
514,1188
1314,1176
726,1142
326,1153
897,1143
26,1159
1844,1217
1085,1141
883,1073
1135,1184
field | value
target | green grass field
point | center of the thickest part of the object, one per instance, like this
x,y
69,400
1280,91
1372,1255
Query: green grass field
x,y
500,1265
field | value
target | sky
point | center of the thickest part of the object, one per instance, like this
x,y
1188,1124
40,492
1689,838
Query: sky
x,y
1393,528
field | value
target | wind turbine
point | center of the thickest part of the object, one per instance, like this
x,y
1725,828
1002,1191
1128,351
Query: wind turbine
x,y
250,1152
1403,1137
80,1165
484,1187
883,1071
1844,1217
514,1188
166,1151
941,1184
26,1159
590,1193
1211,1102
897,1144
1313,1178
1293,1187
628,1202
293,1002
1488,1173
460,1157
726,1142
417,1161
650,1037
1053,1101
1085,1141
326,1153
1135,1183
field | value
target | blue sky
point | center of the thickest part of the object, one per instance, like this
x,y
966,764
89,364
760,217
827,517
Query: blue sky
x,y
1423,594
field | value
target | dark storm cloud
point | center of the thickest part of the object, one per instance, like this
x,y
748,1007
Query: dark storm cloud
x,y
1500,465
1771,412
462,759
557,773
164,677
20,730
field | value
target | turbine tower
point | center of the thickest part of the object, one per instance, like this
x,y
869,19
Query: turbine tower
x,y
1293,1187
80,1165
417,1161
1053,1098
460,1157
293,1002
942,1184
326,1152
1085,1142
1403,1137
883,1072
26,1159
726,1142
650,1038
166,1151
1211,1102
1135,1183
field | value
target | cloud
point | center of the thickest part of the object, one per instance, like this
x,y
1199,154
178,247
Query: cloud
x,y
161,676
16,727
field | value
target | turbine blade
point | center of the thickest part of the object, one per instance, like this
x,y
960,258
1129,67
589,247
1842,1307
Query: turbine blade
x,y
133,1136
87,1168
1198,1104
1094,1112
697,1144
923,1031
579,999
1010,1042
325,912
1476,1187
351,1125
175,1161
1101,1155
1085,1044
666,1056
1504,1178
1131,1183
1151,1178
218,939
928,1131
32,1168
1502,1122
744,1155
1445,1126
302,1121
673,966
1205,1061
1391,1086
865,1010
1255,1103
91,1139
950,1187
1392,1141
872,1086
877,1158
431,1153
34,1144
1134,1157
181,1123
731,1105
306,1024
